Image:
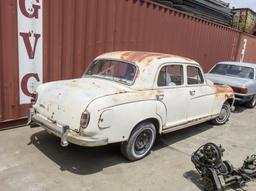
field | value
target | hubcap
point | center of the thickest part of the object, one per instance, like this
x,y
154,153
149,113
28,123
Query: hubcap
x,y
143,142
223,114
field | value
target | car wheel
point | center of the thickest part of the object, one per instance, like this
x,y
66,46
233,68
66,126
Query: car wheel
x,y
140,142
251,103
224,115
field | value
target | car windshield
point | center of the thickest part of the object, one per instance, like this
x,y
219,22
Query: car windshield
x,y
233,70
115,70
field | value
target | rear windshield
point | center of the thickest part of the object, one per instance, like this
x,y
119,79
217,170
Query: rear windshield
x,y
114,70
233,70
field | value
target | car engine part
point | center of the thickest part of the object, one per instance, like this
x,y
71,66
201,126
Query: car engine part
x,y
218,174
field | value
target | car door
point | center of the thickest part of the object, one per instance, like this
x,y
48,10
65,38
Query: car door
x,y
173,93
201,95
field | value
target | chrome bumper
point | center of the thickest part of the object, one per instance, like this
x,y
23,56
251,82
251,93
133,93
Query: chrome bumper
x,y
67,136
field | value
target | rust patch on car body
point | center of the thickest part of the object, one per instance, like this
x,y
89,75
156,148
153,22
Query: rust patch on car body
x,y
134,56
220,90
141,57
223,89
147,64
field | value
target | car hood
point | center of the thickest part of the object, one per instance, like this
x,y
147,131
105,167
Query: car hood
x,y
64,101
227,80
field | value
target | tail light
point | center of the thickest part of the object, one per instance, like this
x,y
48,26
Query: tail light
x,y
34,97
240,90
84,120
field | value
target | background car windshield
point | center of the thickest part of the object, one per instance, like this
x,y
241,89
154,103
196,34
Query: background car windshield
x,y
119,71
233,70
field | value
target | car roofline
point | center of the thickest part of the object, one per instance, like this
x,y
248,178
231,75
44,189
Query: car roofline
x,y
247,64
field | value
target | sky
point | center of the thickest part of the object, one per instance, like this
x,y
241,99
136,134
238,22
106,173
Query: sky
x,y
242,4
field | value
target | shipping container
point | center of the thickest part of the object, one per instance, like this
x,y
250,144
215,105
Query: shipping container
x,y
244,20
248,44
76,31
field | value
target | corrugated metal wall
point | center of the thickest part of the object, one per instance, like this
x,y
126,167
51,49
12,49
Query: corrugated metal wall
x,y
75,31
10,108
250,51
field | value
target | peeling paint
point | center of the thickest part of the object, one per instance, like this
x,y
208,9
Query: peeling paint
x,y
141,57
223,90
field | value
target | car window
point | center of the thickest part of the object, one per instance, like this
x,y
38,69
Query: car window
x,y
233,70
171,75
113,70
194,75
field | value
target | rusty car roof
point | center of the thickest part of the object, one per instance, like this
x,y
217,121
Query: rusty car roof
x,y
143,58
148,64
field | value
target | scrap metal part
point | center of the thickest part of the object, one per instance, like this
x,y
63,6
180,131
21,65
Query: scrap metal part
x,y
218,174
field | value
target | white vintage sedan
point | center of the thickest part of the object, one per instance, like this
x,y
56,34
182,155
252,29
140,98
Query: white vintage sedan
x,y
130,97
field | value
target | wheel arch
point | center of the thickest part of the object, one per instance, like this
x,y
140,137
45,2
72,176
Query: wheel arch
x,y
230,101
139,112
156,122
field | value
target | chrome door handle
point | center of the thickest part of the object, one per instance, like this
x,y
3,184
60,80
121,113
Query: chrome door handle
x,y
160,97
192,92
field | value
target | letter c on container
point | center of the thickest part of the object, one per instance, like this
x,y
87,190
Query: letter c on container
x,y
24,83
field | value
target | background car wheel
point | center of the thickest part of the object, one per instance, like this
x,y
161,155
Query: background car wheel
x,y
140,142
224,115
251,103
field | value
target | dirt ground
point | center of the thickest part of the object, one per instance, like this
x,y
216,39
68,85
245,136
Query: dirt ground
x,y
33,160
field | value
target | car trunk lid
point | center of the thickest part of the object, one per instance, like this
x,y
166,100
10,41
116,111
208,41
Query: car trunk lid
x,y
64,101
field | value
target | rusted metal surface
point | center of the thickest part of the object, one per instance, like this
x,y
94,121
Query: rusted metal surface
x,y
227,91
75,32
245,20
141,57
147,62
223,89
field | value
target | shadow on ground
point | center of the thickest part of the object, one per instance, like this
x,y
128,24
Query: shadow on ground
x,y
239,108
84,160
74,158
179,135
195,178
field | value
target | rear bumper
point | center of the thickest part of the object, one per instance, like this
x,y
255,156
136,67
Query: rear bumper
x,y
64,132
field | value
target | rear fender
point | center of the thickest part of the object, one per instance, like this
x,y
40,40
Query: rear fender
x,y
126,117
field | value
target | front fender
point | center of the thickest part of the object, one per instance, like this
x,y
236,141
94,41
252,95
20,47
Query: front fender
x,y
161,111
